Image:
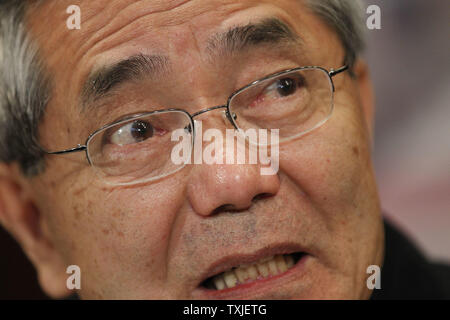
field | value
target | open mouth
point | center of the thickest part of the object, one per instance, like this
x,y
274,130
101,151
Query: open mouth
x,y
246,273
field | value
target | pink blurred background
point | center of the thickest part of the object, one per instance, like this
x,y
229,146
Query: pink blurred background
x,y
410,65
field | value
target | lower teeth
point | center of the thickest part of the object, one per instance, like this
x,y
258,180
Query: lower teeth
x,y
244,274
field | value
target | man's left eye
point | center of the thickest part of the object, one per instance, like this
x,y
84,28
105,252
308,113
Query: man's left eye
x,y
283,87
134,132
286,87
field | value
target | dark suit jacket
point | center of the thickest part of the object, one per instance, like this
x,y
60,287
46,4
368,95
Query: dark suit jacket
x,y
407,274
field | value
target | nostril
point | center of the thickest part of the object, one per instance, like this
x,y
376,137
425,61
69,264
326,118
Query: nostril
x,y
230,208
261,196
223,208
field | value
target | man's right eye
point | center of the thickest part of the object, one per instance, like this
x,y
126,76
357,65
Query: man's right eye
x,y
130,133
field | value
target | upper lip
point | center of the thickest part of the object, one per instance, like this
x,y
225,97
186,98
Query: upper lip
x,y
227,262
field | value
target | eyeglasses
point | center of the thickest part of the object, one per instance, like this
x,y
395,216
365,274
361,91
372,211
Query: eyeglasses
x,y
138,148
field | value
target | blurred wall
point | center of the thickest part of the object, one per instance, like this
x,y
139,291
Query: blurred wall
x,y
410,65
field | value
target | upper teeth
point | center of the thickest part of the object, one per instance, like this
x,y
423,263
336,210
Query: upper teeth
x,y
269,266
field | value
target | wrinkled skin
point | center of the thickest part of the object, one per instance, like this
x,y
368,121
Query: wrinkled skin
x,y
157,240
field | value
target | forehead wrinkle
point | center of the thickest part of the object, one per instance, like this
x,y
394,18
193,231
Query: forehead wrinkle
x,y
99,42
123,15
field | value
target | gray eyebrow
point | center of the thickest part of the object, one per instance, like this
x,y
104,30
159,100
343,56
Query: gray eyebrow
x,y
268,31
103,80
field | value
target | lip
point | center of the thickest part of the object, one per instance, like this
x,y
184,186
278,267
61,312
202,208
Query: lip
x,y
228,262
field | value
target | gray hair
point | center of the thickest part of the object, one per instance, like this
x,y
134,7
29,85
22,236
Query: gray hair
x,y
345,17
25,88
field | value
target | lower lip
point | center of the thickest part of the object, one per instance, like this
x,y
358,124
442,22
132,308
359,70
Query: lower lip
x,y
260,286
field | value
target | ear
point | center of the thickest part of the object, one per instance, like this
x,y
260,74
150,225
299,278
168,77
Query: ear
x,y
361,71
22,219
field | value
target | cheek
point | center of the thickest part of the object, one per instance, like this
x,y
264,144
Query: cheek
x,y
332,167
106,231
330,164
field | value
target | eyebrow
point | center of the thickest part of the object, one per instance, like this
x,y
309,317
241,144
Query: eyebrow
x,y
102,81
268,31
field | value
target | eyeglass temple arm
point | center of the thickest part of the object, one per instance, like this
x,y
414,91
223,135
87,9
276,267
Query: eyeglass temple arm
x,y
333,72
78,148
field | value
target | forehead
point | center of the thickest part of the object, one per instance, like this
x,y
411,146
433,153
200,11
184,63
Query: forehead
x,y
114,29
110,25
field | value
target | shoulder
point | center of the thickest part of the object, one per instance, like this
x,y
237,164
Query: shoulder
x,y
441,272
407,273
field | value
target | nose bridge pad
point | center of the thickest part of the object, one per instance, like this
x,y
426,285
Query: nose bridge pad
x,y
228,118
188,128
225,117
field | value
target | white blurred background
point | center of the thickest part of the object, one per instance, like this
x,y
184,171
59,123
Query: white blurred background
x,y
410,65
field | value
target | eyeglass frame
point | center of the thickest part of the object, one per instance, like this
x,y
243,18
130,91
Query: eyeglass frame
x,y
79,148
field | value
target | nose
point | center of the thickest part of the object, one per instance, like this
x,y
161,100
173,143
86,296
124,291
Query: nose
x,y
213,188
230,187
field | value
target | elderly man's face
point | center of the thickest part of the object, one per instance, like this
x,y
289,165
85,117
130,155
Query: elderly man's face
x,y
165,238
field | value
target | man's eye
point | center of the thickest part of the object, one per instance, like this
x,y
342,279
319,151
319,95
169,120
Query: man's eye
x,y
134,132
280,88
284,87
